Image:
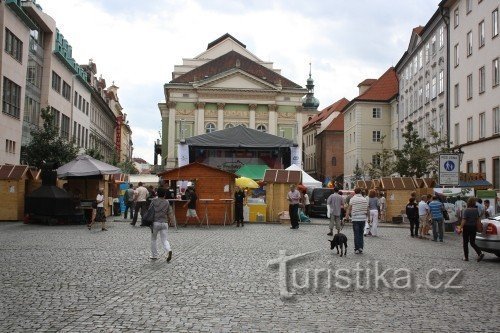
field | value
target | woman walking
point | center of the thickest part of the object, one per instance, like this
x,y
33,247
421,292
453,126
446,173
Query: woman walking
x,y
374,208
162,214
470,218
239,198
100,216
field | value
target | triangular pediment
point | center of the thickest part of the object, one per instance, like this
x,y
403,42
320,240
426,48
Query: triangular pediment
x,y
236,79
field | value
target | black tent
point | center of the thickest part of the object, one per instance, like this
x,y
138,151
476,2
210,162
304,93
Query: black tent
x,y
239,137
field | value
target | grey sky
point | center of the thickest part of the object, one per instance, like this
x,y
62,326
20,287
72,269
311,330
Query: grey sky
x,y
137,43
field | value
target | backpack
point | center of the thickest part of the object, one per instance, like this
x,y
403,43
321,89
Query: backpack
x,y
149,217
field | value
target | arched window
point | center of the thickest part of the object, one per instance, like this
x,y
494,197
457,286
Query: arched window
x,y
229,125
209,128
262,128
334,161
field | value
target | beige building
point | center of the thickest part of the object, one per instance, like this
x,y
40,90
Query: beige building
x,y
422,78
475,84
225,86
368,121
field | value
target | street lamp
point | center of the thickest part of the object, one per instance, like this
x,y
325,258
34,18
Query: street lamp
x,y
460,153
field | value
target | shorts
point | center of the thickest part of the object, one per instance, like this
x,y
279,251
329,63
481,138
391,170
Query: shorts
x,y
335,222
191,213
424,221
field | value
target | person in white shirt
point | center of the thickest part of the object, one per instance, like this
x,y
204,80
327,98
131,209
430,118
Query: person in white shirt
x,y
141,203
358,210
423,216
383,207
100,215
489,210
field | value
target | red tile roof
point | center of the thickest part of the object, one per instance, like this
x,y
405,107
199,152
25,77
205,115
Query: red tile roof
x,y
326,112
222,38
367,82
231,60
337,123
418,30
383,90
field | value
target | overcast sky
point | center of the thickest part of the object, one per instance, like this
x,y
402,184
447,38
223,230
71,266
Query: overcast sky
x,y
137,43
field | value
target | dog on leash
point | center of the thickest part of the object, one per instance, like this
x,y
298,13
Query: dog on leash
x,y
339,240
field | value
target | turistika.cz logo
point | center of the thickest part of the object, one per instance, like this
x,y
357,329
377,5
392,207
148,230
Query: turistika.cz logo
x,y
369,275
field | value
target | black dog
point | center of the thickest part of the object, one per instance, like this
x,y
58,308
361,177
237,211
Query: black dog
x,y
339,240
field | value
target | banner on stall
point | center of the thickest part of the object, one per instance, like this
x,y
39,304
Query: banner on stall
x,y
183,154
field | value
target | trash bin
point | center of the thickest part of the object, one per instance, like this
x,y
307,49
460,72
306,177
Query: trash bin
x,y
116,209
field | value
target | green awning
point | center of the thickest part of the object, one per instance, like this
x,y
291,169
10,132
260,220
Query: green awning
x,y
253,171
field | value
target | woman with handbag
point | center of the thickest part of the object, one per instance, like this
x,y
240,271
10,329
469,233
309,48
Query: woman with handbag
x,y
469,226
159,212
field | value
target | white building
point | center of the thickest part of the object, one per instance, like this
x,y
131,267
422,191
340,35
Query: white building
x,y
475,84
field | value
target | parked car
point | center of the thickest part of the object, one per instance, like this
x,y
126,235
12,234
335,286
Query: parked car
x,y
489,239
317,198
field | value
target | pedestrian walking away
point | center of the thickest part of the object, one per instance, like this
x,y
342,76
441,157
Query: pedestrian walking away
x,y
100,215
468,228
374,214
335,202
162,216
358,210
128,199
413,216
140,203
293,198
239,198
436,209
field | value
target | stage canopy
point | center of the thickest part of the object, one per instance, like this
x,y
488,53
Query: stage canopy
x,y
238,137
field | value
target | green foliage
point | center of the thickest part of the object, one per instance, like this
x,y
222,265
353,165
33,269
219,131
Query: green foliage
x,y
46,144
385,165
128,167
419,157
95,153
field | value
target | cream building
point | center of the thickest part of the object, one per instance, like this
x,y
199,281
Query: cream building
x,y
422,78
475,84
368,120
224,86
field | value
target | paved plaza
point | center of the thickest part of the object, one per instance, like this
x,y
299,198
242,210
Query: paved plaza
x,y
65,278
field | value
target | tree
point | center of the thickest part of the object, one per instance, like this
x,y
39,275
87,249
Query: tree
x,y
384,165
46,144
128,167
418,157
357,174
95,153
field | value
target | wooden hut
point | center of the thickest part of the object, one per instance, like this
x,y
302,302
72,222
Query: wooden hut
x,y
210,183
14,182
278,184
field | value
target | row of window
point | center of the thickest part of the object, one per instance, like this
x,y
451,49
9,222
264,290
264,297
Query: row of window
x,y
105,124
11,100
10,146
495,81
494,20
13,45
481,168
418,97
81,103
211,127
65,90
481,126
80,135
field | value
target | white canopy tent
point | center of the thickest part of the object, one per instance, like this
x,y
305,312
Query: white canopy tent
x,y
307,180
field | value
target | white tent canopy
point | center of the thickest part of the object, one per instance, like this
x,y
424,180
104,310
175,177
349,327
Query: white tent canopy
x,y
307,180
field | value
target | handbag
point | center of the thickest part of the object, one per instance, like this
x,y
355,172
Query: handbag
x,y
149,217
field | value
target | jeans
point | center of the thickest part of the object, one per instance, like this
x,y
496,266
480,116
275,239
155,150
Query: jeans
x,y
357,227
437,229
293,210
469,236
414,225
162,229
139,206
129,205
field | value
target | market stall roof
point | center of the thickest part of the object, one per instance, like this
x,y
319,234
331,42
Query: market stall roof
x,y
307,180
187,171
84,165
283,176
16,172
239,137
252,171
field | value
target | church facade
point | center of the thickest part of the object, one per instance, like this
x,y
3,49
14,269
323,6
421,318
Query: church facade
x,y
226,86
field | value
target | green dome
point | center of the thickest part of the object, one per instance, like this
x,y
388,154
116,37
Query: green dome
x,y
309,101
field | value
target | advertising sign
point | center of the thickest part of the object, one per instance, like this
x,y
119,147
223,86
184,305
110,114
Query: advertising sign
x,y
449,169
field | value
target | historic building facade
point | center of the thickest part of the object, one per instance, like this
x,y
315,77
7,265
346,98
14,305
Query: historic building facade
x,y
422,74
225,86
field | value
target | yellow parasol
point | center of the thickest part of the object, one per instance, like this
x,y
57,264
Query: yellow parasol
x,y
246,182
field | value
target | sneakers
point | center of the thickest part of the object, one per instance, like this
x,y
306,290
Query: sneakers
x,y
330,234
104,229
481,256
153,258
359,251
169,256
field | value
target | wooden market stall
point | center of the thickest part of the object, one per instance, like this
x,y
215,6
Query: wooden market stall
x,y
209,183
86,189
277,186
15,182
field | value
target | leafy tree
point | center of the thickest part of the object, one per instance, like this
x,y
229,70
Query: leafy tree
x,y
128,167
357,174
46,144
385,165
419,156
95,153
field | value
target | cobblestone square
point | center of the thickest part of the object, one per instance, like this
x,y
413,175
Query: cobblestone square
x,y
65,278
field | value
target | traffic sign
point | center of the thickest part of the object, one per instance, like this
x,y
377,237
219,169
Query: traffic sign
x,y
449,169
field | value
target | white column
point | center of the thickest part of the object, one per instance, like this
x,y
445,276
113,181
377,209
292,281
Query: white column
x,y
220,116
252,108
273,119
298,119
171,135
200,121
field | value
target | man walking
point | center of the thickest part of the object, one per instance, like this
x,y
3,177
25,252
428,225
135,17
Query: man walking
x,y
358,210
293,207
140,204
436,209
335,201
423,216
128,199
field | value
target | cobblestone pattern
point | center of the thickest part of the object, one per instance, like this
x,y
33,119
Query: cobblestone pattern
x,y
65,278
